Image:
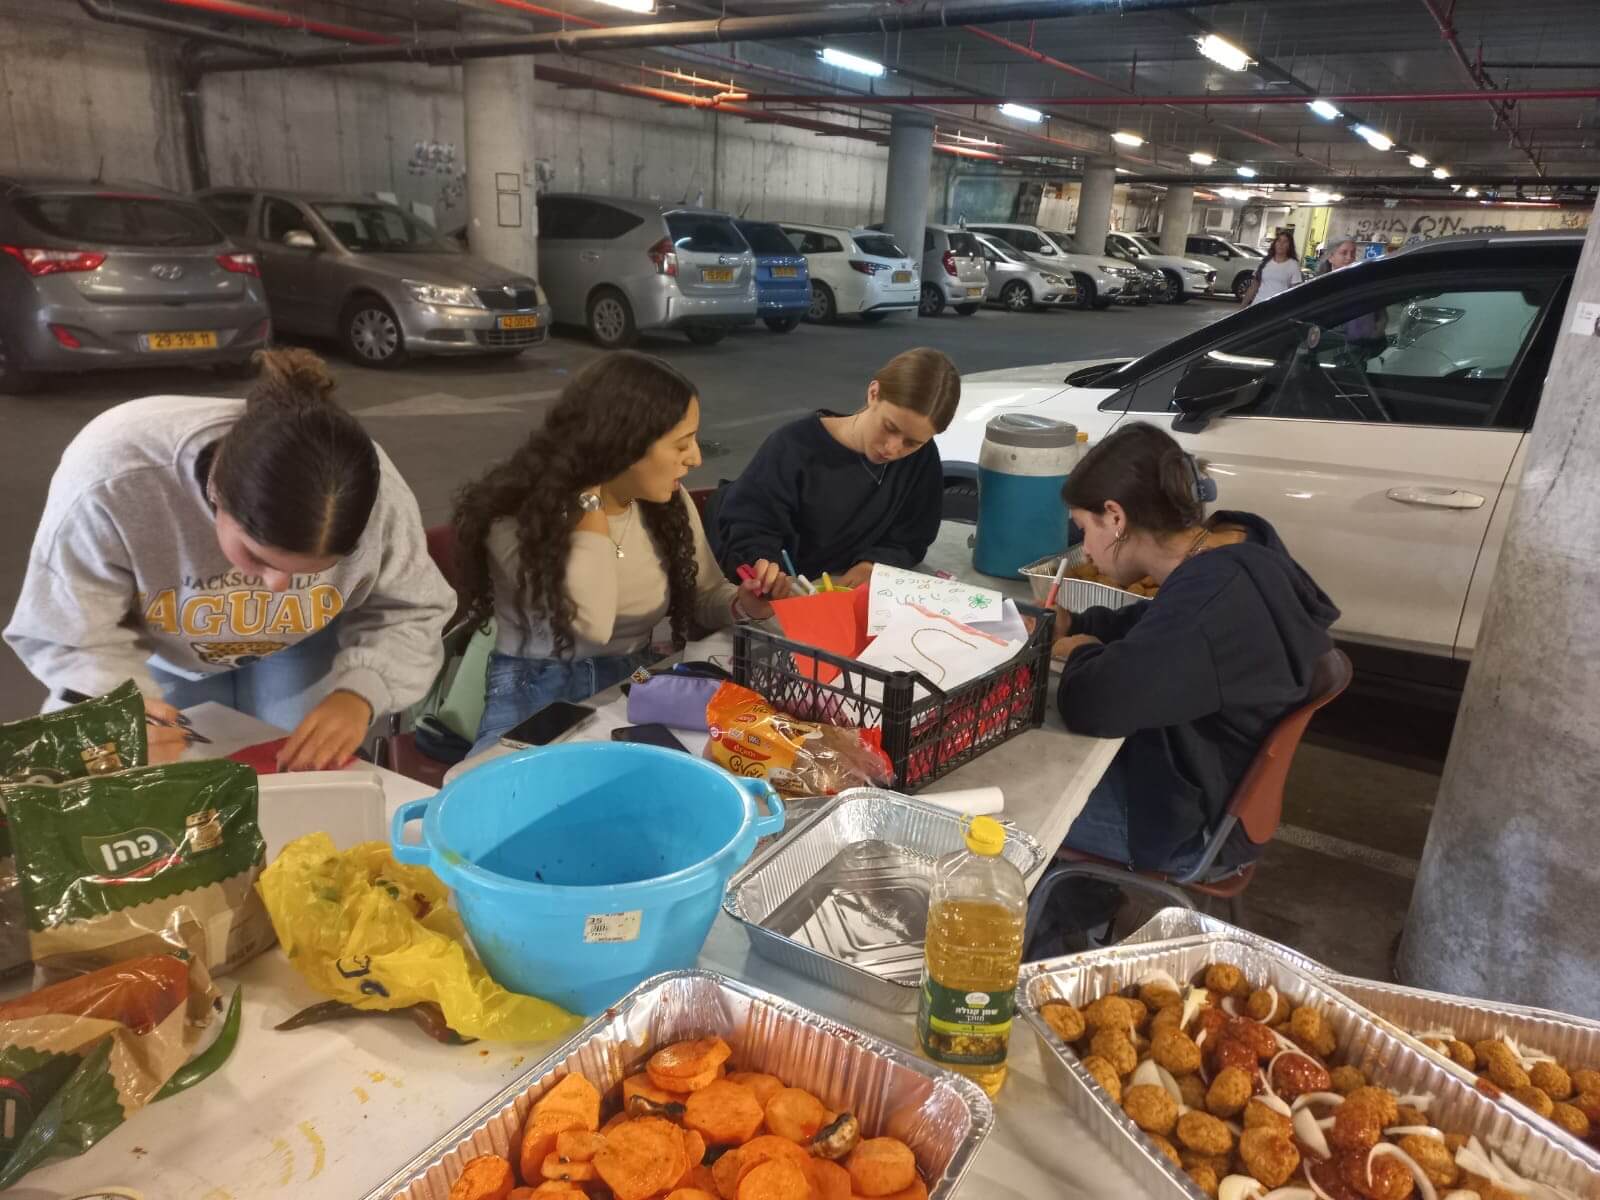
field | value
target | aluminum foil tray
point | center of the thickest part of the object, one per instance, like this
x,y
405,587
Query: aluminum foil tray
x,y
843,898
941,1116
1364,1042
1573,1041
1075,594
1177,922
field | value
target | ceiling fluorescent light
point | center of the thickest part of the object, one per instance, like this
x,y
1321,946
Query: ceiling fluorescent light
x,y
1022,112
1336,197
1201,158
1440,173
633,6
847,62
1471,193
1124,171
1315,197
1417,161
1223,52
1372,137
1248,172
1323,109
1127,139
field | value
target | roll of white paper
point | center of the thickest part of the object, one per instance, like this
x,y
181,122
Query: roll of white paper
x,y
969,802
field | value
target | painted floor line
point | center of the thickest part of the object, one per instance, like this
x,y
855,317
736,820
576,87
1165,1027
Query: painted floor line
x,y
759,419
1337,847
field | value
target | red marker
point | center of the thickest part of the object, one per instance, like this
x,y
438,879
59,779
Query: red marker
x,y
746,572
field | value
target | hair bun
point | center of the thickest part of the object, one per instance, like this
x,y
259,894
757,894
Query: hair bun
x,y
292,377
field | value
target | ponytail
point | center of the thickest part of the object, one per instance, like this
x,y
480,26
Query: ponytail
x,y
1144,470
296,471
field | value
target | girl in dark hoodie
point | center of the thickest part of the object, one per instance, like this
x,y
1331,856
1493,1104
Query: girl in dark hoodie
x,y
1195,679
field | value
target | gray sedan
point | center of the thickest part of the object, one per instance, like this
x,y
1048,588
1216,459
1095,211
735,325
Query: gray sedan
x,y
1022,283
380,280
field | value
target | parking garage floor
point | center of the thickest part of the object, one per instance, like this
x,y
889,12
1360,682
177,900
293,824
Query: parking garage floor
x,y
1337,882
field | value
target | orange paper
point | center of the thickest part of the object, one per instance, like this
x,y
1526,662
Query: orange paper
x,y
831,621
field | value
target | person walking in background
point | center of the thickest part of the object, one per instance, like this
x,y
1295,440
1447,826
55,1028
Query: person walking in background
x,y
1343,254
1279,270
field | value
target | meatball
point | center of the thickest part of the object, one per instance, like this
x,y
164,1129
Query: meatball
x,y
1551,1079
1345,1080
1220,1163
1571,1118
1269,1156
1113,1046
1225,979
1211,1022
1109,1012
1105,1075
1406,1115
1166,1148
1310,1029
1380,1099
1203,1132
1330,1181
1586,1082
1176,1051
1504,1067
1253,1034
1266,1006
1356,1129
1258,1116
1150,1107
1064,1018
1463,1054
1231,1052
1204,1178
1381,1178
1295,1075
1194,1091
1164,1019
1588,1103
1138,1012
1229,1092
1434,1157
1535,1099
1157,996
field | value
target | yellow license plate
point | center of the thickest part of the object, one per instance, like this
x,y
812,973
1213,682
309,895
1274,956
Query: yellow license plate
x,y
522,321
192,339
716,275
902,276
975,291
786,272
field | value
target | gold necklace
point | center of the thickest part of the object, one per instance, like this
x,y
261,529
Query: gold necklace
x,y
616,542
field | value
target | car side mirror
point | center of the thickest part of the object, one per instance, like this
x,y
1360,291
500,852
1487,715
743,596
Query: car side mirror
x,y
1216,384
299,239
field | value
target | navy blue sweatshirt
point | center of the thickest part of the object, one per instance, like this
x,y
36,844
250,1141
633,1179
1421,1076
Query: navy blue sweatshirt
x,y
805,493
1195,680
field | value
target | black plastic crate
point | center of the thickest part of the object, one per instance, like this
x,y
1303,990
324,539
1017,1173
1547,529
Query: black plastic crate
x,y
924,738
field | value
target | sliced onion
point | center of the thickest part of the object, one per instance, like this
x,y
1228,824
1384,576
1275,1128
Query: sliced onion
x,y
1421,1101
1276,1103
1305,1098
1239,1187
1462,1194
1312,1180
1156,977
1229,1006
1305,1128
1200,1038
1327,1122
1527,1056
1512,1181
1427,1131
1472,1157
1272,1013
1290,1193
1424,1184
1168,1082
1193,1001
1234,1128
1283,1042
1145,1075
1439,1033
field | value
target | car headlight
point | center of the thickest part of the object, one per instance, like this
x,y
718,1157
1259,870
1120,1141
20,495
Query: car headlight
x,y
443,294
1057,280
1194,271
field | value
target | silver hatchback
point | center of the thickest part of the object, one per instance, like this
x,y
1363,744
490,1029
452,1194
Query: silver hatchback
x,y
98,275
620,267
378,279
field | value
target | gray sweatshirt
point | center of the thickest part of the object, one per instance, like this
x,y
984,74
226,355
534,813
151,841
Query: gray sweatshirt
x,y
125,571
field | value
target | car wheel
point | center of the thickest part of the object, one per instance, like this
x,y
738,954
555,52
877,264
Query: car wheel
x,y
965,310
611,320
872,318
372,333
1017,296
932,302
961,501
823,310
1172,287
781,324
1241,285
14,381
1086,293
706,335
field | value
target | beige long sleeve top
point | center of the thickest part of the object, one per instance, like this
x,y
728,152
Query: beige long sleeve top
x,y
620,600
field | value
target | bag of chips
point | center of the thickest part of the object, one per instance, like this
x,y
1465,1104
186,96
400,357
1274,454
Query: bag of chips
x,y
799,758
145,861
92,738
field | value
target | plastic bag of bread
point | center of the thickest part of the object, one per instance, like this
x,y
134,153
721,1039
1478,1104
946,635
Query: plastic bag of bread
x,y
799,758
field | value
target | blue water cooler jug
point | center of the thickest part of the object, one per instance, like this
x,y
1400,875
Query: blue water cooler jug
x,y
1024,462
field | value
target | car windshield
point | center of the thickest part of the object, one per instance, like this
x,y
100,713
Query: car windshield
x,y
965,245
1144,245
767,239
110,219
1005,250
699,233
1243,249
880,245
378,228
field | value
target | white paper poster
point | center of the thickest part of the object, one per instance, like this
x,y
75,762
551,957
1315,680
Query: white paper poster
x,y
893,587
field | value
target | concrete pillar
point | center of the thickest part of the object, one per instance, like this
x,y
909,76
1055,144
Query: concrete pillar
x,y
1175,209
1503,902
502,219
905,194
1094,208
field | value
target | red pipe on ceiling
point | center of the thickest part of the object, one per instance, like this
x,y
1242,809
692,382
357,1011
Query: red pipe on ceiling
x,y
539,10
1215,98
1475,73
282,20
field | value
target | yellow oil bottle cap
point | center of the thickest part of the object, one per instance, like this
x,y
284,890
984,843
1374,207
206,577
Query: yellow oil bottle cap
x,y
986,836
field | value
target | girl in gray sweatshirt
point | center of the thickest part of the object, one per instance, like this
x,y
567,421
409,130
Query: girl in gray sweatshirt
x,y
263,553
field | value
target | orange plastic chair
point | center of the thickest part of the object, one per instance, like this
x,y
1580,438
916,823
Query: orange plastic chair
x,y
1257,805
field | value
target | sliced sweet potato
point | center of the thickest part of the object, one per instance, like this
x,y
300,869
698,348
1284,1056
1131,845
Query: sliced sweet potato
x,y
700,1176
641,1157
777,1179
640,1085
881,1166
694,1147
725,1174
557,1168
539,1139
554,1187
574,1094
767,1148
521,1193
832,1182
917,1191
487,1177
725,1113
764,1086
578,1145
613,1123
682,1085
691,1194
795,1114
685,1060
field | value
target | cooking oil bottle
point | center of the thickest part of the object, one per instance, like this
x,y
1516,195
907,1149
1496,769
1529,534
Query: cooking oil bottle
x,y
976,911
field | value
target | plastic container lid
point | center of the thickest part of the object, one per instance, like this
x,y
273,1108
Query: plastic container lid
x,y
986,836
1036,433
1083,436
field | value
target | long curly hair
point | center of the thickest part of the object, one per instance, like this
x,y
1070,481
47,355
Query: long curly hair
x,y
606,420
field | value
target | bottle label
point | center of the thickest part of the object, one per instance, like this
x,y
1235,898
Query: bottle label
x,y
964,1028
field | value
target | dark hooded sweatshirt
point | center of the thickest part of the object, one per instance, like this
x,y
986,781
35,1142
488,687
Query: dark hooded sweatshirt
x,y
1195,680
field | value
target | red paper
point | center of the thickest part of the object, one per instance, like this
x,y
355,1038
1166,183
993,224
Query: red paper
x,y
263,756
831,621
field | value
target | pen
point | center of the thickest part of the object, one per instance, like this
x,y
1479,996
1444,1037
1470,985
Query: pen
x,y
746,572
827,583
811,588
1055,585
788,564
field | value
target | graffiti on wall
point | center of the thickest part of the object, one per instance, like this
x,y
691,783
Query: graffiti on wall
x,y
1373,225
438,160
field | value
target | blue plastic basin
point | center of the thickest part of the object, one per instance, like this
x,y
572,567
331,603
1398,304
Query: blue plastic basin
x,y
582,869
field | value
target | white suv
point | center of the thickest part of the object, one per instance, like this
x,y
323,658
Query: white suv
x,y
1235,267
1377,416
855,271
1185,277
1102,282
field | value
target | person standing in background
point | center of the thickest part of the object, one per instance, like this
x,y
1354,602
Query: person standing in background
x,y
1343,254
1278,272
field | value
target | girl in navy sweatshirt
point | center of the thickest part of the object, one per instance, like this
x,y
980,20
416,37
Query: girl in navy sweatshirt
x,y
839,493
1194,679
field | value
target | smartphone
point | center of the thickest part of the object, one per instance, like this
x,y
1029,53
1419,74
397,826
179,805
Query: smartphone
x,y
649,735
548,724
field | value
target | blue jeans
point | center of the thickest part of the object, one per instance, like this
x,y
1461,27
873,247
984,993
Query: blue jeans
x,y
279,689
1101,829
516,688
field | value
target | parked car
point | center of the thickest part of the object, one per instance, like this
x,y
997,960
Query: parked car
x,y
859,271
783,281
381,281
1378,416
1234,267
1021,283
115,275
953,271
1185,277
1101,281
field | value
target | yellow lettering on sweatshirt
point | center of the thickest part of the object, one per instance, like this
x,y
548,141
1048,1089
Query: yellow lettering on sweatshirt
x,y
247,612
202,616
326,603
162,612
290,617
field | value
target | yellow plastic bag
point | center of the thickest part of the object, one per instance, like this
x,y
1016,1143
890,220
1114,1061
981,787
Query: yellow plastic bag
x,y
375,934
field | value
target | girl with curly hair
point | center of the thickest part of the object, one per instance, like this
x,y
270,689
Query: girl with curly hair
x,y
581,542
